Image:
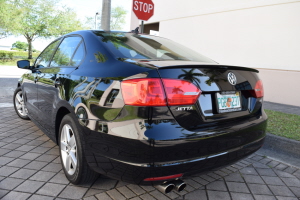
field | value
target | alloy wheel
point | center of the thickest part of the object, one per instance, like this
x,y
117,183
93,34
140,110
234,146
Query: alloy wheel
x,y
68,149
20,105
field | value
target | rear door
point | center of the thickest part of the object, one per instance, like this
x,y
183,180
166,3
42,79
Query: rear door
x,y
31,79
51,79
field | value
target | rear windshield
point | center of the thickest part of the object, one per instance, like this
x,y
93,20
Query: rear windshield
x,y
133,46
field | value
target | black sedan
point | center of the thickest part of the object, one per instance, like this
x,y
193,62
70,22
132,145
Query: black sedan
x,y
140,108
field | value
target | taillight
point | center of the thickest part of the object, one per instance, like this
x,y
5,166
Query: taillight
x,y
181,92
153,92
143,92
259,89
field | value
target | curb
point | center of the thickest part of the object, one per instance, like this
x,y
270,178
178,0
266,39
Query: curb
x,y
283,148
282,144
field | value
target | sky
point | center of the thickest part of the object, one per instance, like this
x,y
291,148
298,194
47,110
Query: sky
x,y
83,8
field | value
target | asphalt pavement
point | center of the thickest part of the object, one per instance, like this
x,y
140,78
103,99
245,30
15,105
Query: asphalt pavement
x,y
11,71
282,108
30,169
9,76
7,88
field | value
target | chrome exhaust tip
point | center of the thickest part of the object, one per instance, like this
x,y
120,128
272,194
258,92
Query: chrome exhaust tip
x,y
179,185
165,187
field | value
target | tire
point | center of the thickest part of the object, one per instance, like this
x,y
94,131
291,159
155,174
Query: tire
x,y
19,104
72,157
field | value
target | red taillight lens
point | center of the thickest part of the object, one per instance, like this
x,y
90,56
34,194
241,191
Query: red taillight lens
x,y
181,92
150,92
259,89
143,92
163,177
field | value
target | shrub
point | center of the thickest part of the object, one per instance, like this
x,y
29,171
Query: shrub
x,y
2,55
6,55
10,55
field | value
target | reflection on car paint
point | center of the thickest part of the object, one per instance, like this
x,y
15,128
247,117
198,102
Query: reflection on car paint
x,y
132,143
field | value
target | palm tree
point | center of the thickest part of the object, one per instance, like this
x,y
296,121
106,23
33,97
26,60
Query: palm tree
x,y
215,76
191,76
177,89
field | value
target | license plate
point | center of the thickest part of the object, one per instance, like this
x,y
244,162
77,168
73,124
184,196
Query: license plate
x,y
229,102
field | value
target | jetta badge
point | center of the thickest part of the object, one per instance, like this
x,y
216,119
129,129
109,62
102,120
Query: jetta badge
x,y
184,108
231,78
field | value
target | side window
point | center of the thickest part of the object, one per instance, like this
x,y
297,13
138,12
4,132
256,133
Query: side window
x,y
78,56
45,57
65,51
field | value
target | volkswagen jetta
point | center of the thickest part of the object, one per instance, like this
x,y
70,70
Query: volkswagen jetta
x,y
140,108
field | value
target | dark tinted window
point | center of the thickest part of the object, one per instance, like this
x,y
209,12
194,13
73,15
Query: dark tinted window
x,y
134,46
78,56
44,59
65,51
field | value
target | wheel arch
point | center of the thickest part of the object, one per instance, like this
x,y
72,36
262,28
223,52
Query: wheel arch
x,y
62,111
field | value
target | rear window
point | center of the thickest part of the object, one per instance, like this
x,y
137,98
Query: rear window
x,y
133,46
65,51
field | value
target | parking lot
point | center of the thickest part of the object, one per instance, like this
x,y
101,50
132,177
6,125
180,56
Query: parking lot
x,y
30,169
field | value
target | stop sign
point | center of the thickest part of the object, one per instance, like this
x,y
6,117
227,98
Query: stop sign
x,y
143,9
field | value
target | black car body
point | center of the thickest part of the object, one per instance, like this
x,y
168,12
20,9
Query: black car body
x,y
146,109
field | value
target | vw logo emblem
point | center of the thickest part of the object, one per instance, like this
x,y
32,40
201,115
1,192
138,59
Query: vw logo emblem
x,y
231,78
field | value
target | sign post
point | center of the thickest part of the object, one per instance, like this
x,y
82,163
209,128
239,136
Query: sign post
x,y
142,28
144,10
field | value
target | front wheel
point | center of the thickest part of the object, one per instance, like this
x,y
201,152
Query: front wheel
x,y
72,157
19,104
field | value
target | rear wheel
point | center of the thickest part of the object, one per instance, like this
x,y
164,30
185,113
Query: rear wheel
x,y
72,157
19,104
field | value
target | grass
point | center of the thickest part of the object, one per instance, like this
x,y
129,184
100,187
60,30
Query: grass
x,y
14,62
283,124
9,63
108,113
131,114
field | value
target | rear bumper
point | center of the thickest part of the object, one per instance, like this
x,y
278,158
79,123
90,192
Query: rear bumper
x,y
136,173
133,160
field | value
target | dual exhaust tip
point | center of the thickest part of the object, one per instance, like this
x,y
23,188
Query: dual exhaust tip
x,y
167,187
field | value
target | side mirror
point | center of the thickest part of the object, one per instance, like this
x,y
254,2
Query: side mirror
x,y
24,64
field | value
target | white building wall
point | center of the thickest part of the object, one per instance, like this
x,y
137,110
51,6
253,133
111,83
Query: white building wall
x,y
266,36
251,33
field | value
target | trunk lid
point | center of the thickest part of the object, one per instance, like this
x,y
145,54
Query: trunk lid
x,y
221,101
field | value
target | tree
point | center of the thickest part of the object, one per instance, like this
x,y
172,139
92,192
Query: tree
x,y
4,10
191,76
117,19
20,45
3,33
8,17
90,22
44,19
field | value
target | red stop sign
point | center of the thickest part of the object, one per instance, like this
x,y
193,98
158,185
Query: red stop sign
x,y
143,9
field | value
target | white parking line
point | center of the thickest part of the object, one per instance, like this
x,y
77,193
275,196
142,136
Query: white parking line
x,y
6,105
11,72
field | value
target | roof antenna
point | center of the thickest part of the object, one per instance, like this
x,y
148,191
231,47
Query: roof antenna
x,y
136,30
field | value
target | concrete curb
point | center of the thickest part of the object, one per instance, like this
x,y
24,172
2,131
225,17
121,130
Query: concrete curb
x,y
284,149
282,144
